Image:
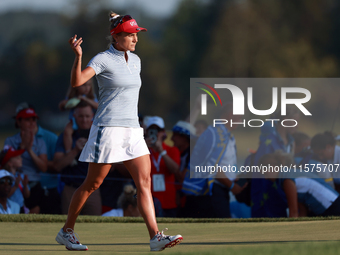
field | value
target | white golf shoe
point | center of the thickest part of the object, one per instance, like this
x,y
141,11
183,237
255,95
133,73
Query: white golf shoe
x,y
160,241
70,240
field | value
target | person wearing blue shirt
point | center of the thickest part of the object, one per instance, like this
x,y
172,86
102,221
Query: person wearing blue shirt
x,y
305,155
74,171
306,193
34,159
268,200
208,193
325,147
181,134
49,180
308,157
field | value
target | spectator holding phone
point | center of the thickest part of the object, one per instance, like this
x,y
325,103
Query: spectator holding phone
x,y
165,162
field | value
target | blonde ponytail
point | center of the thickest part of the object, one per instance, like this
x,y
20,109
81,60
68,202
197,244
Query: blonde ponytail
x,y
112,18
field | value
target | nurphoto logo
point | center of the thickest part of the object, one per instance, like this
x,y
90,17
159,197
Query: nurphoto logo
x,y
238,102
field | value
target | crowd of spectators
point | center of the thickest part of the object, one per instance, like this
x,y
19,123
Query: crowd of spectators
x,y
40,170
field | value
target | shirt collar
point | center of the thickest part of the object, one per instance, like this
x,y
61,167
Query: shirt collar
x,y
117,52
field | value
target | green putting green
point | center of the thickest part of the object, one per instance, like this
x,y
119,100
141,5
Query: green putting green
x,y
265,238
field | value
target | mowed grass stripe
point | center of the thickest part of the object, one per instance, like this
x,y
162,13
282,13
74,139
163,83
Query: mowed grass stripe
x,y
304,237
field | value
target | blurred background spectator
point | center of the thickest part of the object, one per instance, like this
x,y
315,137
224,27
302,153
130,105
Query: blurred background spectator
x,y
127,204
304,154
209,195
74,171
74,96
34,159
165,162
181,134
49,179
306,194
6,205
324,146
268,200
11,161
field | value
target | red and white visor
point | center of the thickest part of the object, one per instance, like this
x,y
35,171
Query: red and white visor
x,y
129,26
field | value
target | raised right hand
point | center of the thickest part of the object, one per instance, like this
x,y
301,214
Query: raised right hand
x,y
75,45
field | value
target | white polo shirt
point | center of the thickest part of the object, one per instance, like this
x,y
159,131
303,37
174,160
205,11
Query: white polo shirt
x,y
119,83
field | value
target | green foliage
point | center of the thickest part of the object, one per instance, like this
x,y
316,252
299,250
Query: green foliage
x,y
272,39
215,38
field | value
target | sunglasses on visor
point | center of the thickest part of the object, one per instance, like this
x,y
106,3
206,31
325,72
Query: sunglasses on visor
x,y
122,19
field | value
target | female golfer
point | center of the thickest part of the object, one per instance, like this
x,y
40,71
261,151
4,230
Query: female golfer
x,y
116,135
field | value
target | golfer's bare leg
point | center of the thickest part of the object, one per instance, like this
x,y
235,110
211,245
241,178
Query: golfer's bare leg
x,y
95,176
140,170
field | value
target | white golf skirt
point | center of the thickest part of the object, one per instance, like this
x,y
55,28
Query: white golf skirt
x,y
113,144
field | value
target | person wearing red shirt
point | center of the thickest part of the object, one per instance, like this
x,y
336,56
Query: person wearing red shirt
x,y
165,162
